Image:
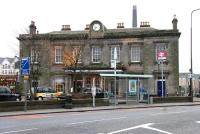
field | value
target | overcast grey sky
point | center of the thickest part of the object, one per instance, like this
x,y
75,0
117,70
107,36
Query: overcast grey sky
x,y
50,15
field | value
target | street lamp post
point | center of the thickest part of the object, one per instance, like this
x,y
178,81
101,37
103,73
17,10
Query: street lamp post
x,y
191,69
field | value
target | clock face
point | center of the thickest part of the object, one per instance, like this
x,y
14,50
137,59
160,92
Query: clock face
x,y
96,27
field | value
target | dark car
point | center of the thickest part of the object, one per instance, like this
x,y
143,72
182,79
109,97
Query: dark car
x,y
7,95
99,92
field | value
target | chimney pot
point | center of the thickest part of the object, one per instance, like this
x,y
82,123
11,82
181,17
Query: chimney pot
x,y
144,24
120,25
66,28
87,27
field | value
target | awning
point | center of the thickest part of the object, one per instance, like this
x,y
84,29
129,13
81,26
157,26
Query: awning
x,y
93,71
127,75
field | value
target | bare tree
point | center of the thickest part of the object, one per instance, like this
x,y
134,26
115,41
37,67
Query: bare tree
x,y
72,58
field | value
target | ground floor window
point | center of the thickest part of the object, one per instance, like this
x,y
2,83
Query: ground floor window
x,y
97,81
59,87
34,83
88,82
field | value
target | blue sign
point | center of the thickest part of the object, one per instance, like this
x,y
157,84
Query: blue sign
x,y
25,66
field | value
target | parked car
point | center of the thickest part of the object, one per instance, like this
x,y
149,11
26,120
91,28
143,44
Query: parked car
x,y
7,95
43,93
99,92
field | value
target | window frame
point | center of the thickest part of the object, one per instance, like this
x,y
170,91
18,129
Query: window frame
x,y
58,55
112,53
96,54
34,55
135,52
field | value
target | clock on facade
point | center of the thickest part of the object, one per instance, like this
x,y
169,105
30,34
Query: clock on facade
x,y
96,27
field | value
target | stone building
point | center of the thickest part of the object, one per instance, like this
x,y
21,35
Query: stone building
x,y
136,55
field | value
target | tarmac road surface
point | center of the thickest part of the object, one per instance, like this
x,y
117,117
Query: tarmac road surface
x,y
157,120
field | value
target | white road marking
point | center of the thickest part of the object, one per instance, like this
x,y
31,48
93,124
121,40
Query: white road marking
x,y
197,121
140,126
126,129
178,112
17,131
91,121
155,129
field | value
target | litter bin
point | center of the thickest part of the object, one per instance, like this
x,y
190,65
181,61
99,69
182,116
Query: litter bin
x,y
68,102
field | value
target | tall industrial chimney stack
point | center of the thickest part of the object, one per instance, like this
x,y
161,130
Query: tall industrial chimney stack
x,y
134,23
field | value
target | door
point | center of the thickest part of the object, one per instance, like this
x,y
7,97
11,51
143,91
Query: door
x,y
161,91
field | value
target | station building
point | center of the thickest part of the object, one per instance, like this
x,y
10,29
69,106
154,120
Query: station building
x,y
93,50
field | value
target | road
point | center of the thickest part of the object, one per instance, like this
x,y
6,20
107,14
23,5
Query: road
x,y
160,120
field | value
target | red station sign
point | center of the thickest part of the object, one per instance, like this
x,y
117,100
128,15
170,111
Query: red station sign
x,y
162,55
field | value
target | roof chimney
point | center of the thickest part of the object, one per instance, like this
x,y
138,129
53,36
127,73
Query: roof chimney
x,y
87,27
174,23
66,28
144,24
120,25
32,28
134,19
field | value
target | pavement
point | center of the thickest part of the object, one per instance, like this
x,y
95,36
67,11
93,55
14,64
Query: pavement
x,y
111,107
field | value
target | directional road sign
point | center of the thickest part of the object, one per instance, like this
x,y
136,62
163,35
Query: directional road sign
x,y
25,66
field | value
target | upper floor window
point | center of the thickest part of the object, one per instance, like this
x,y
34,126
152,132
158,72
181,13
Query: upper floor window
x,y
118,53
135,54
96,54
10,72
5,66
34,55
58,55
160,47
77,54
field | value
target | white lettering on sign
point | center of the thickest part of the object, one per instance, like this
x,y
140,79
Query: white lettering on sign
x,y
162,55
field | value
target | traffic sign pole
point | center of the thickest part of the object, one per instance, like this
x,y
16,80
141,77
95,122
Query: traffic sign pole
x,y
25,72
25,98
162,55
162,78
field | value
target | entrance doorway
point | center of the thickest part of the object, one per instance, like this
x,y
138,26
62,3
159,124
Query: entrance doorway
x,y
161,90
79,84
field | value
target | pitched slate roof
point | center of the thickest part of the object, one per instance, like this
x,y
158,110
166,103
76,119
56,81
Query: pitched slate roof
x,y
108,33
8,58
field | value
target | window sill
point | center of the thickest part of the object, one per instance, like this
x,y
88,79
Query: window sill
x,y
166,62
95,62
34,62
58,63
135,63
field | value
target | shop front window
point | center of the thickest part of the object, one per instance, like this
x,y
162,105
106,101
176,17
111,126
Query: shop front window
x,y
88,82
97,82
